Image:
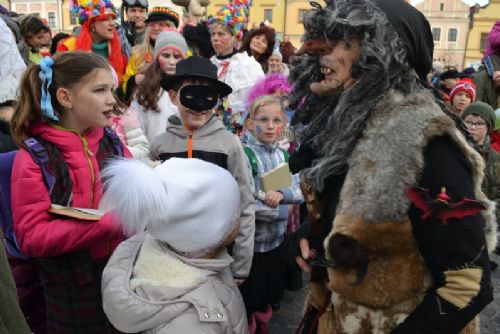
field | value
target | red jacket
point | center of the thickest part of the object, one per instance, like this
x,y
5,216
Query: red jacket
x,y
41,234
495,140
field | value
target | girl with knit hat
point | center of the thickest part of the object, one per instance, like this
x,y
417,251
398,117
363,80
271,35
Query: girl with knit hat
x,y
151,103
462,95
159,20
174,275
480,119
97,33
238,70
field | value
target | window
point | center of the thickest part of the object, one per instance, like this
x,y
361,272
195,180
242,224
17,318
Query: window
x,y
302,13
268,15
482,41
441,7
436,33
452,35
72,18
52,20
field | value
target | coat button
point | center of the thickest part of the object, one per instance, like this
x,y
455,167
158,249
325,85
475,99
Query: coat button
x,y
219,315
207,315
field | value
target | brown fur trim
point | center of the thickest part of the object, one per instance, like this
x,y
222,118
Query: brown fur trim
x,y
395,269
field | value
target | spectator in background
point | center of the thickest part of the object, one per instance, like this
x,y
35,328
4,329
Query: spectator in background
x,y
159,20
462,95
487,81
260,44
480,120
493,41
35,35
276,64
448,79
97,34
135,26
237,69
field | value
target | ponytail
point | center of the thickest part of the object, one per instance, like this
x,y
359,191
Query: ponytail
x,y
27,110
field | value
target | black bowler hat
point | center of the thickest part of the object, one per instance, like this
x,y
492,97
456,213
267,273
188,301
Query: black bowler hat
x,y
196,67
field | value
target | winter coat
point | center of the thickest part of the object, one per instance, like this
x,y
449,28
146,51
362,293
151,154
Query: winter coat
x,y
6,142
270,223
11,318
493,45
154,123
242,73
128,128
491,182
146,287
41,234
485,91
213,143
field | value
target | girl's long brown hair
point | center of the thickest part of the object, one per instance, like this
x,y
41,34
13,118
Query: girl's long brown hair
x,y
149,89
69,68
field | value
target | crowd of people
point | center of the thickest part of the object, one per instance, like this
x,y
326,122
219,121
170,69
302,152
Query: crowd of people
x,y
164,175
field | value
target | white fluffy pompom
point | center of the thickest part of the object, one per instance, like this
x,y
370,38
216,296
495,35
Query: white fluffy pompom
x,y
135,193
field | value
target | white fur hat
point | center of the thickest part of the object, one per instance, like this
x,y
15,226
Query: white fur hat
x,y
189,204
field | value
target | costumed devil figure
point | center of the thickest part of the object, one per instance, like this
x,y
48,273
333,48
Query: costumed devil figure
x,y
396,212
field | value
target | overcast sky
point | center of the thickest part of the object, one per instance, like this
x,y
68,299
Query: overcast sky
x,y
470,2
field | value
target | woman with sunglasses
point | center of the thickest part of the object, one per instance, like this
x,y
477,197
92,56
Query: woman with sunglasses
x,y
159,19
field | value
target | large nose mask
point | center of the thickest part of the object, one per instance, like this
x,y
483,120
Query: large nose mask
x,y
198,98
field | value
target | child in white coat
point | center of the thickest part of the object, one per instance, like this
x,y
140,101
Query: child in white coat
x,y
174,276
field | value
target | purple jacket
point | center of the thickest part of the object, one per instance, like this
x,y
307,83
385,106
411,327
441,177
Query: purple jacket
x,y
493,42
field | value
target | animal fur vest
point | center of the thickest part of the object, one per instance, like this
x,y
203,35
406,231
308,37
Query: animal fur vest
x,y
373,209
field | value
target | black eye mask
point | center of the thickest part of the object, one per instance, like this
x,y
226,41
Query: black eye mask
x,y
199,98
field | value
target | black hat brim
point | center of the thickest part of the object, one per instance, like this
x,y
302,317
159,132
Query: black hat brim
x,y
169,82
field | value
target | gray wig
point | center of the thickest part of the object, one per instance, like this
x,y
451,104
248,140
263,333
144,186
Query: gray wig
x,y
334,124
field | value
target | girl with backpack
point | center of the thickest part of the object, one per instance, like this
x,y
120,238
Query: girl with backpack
x,y
64,108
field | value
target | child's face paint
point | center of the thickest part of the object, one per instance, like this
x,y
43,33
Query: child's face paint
x,y
268,123
167,59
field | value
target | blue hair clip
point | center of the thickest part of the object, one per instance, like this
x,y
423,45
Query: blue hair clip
x,y
46,77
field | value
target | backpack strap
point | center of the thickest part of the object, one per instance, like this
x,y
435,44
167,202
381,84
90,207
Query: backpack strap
x,y
41,158
286,155
253,160
115,141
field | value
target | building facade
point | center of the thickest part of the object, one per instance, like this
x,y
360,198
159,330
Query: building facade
x,y
450,22
483,20
285,16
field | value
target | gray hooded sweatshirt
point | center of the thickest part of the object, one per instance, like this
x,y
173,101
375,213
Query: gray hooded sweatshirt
x,y
213,143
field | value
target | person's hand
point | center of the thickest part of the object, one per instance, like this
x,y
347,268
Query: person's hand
x,y
273,198
239,281
139,78
306,255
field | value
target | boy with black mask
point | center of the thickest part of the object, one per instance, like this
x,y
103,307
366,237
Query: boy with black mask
x,y
196,132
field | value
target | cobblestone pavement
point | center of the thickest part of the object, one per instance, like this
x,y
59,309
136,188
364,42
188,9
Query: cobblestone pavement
x,y
286,319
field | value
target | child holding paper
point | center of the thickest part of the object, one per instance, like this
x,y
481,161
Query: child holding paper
x,y
265,284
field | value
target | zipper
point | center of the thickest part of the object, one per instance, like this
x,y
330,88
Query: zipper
x,y
88,154
190,143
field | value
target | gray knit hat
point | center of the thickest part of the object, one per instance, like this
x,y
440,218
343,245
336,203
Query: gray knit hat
x,y
170,38
484,110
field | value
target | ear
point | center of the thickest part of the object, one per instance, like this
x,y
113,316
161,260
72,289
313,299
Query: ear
x,y
173,95
65,98
249,124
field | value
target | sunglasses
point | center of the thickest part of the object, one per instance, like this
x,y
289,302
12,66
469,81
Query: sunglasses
x,y
136,3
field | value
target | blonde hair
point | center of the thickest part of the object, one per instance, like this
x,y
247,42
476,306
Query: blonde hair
x,y
142,51
265,100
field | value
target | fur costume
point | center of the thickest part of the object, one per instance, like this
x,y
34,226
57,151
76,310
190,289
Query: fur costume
x,y
368,146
